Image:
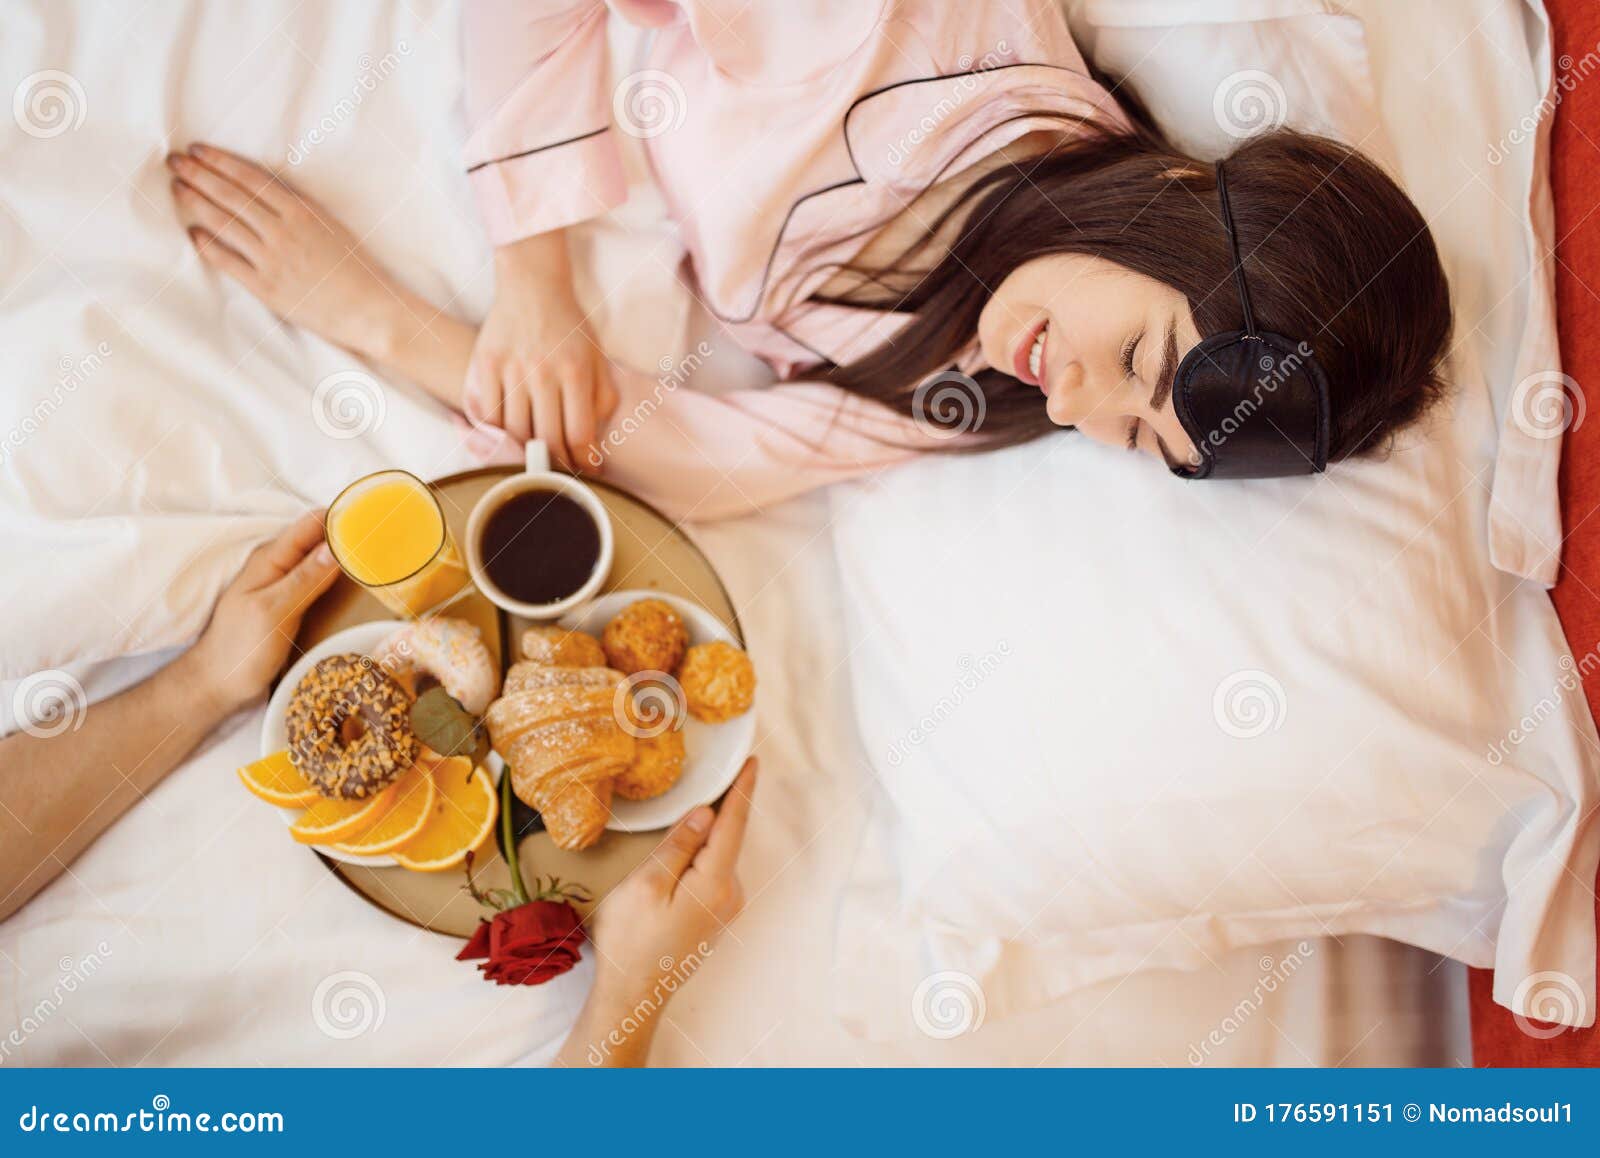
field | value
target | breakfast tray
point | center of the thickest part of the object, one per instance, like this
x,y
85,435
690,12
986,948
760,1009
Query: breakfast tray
x,y
651,552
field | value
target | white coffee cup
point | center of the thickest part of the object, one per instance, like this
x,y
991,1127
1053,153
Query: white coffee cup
x,y
538,477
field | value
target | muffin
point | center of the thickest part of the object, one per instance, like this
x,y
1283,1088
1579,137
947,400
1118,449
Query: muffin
x,y
718,681
647,636
657,764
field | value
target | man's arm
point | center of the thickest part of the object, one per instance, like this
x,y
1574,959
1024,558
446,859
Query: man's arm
x,y
58,793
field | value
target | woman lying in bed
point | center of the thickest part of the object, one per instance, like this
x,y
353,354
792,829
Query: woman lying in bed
x,y
928,218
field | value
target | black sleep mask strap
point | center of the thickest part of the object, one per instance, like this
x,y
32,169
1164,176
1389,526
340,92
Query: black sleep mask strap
x,y
1255,404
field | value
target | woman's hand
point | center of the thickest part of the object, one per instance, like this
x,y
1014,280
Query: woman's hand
x,y
536,371
657,928
256,618
283,247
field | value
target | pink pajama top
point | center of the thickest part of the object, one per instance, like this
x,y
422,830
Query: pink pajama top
x,y
782,134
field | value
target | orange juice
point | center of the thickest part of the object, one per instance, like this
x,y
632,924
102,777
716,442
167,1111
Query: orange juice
x,y
389,535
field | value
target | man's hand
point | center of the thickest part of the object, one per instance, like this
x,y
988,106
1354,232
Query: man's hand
x,y
536,371
60,791
254,623
658,925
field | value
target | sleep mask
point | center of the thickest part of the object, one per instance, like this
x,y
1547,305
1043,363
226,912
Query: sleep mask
x,y
1254,404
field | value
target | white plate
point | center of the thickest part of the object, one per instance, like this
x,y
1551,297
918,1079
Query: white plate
x,y
713,753
362,639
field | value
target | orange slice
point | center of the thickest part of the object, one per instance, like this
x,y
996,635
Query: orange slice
x,y
328,821
275,780
461,819
413,805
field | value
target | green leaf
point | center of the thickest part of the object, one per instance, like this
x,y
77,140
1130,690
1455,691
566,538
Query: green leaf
x,y
444,725
573,893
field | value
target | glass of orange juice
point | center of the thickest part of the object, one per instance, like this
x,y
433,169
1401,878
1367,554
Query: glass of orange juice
x,y
388,533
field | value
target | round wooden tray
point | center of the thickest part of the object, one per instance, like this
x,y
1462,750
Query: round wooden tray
x,y
651,552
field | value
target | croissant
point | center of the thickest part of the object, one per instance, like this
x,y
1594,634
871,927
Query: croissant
x,y
557,647
557,730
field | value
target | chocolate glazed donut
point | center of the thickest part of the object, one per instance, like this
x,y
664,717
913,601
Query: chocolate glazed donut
x,y
349,728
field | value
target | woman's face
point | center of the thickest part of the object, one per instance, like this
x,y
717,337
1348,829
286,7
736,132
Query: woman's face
x,y
1101,343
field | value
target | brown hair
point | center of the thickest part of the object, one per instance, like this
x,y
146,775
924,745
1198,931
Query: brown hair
x,y
1334,251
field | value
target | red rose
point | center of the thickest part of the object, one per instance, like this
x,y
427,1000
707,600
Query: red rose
x,y
527,945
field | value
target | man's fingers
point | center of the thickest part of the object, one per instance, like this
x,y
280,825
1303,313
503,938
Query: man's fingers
x,y
307,579
721,853
676,851
277,557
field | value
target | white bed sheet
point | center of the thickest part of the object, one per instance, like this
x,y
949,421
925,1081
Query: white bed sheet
x,y
219,943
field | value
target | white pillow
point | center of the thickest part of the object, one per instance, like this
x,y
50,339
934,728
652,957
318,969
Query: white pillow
x,y
1125,723
1215,70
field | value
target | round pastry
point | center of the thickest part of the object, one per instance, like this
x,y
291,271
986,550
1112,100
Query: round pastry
x,y
718,681
647,636
648,703
657,764
350,728
449,652
558,647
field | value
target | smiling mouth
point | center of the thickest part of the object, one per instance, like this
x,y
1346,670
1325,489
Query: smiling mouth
x,y
1028,361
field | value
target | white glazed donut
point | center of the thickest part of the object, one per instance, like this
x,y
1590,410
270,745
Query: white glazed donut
x,y
450,651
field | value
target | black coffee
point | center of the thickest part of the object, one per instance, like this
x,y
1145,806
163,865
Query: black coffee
x,y
540,546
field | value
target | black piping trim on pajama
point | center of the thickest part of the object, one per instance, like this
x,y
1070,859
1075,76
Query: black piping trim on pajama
x,y
858,179
539,149
844,132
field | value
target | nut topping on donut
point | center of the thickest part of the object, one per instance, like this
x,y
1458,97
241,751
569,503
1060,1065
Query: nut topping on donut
x,y
350,728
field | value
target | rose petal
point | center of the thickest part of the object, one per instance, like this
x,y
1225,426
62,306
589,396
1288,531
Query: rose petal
x,y
529,973
528,945
532,924
477,945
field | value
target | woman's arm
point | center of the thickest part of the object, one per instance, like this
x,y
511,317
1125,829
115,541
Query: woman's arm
x,y
656,929
706,456
695,455
540,152
58,793
540,157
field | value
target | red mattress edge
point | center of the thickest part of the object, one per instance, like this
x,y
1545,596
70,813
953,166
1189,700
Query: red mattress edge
x,y
1499,1038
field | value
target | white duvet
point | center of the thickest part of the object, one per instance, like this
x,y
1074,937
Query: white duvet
x,y
157,422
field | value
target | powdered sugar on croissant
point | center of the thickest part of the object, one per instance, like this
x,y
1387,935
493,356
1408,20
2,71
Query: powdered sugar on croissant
x,y
557,730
